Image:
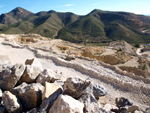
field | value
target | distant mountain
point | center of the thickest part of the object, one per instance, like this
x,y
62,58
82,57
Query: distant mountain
x,y
45,23
14,16
104,26
97,26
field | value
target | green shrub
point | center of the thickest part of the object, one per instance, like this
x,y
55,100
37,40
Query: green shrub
x,y
120,49
142,50
137,45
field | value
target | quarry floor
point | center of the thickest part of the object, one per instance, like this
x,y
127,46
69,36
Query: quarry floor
x,y
19,55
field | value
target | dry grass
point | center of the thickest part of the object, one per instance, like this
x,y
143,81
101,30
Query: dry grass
x,y
63,47
134,70
96,54
23,40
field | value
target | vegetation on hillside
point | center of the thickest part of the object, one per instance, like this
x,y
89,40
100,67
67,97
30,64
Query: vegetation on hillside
x,y
96,27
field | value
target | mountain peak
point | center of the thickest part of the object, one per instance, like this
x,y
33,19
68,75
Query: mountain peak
x,y
51,11
19,13
18,9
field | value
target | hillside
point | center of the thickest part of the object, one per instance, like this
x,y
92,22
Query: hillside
x,y
45,23
103,26
96,27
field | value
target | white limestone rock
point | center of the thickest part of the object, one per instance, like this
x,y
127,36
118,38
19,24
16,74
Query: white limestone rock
x,y
66,104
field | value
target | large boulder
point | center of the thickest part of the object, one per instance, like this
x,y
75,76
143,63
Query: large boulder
x,y
139,111
49,75
122,102
11,102
132,109
98,90
30,95
125,105
75,87
50,94
49,89
147,110
10,75
66,104
32,70
109,107
90,103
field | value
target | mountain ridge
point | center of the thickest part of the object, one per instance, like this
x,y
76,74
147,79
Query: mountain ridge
x,y
96,27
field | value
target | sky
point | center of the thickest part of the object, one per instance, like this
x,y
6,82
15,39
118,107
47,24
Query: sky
x,y
80,7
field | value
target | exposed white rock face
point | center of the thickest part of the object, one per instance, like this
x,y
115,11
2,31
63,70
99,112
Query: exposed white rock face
x,y
49,89
49,75
66,104
30,95
10,75
33,69
11,102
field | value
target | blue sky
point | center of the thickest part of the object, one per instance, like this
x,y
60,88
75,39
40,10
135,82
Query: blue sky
x,y
81,7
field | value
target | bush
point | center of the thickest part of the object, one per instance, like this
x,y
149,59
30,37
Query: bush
x,y
120,49
142,50
137,45
143,67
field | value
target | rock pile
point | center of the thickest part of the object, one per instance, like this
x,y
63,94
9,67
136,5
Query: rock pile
x,y
27,88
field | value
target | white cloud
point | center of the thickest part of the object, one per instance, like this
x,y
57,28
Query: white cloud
x,y
68,5
1,6
96,4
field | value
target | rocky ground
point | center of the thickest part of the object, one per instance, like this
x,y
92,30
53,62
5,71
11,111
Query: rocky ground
x,y
48,60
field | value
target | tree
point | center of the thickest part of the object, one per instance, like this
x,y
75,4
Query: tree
x,y
137,45
142,50
120,49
